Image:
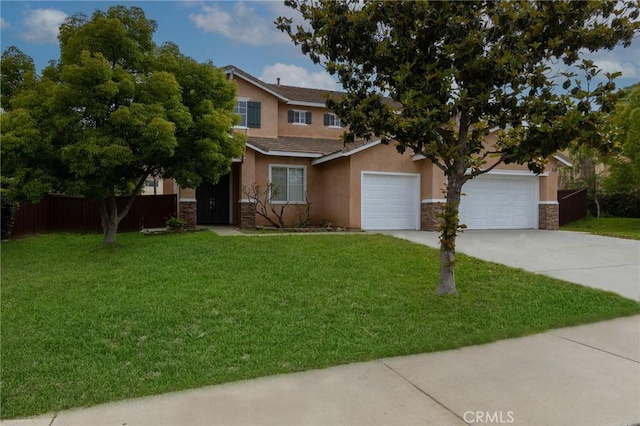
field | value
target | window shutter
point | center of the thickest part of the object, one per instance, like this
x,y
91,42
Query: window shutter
x,y
326,120
253,115
307,119
290,116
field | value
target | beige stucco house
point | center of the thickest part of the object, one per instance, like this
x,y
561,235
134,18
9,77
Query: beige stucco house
x,y
293,141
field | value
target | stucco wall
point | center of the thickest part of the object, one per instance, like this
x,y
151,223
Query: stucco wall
x,y
268,109
335,187
316,129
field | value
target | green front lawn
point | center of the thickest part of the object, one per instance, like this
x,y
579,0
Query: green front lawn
x,y
620,227
83,324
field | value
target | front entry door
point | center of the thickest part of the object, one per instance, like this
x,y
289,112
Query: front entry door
x,y
213,202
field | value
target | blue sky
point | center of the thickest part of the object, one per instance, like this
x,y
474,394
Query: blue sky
x,y
226,32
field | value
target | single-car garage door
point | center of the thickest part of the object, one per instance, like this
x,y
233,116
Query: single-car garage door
x,y
390,201
500,202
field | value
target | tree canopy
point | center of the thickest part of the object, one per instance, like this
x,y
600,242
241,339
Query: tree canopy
x,y
115,109
624,169
457,71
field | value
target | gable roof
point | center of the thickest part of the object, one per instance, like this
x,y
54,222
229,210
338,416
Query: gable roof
x,y
291,95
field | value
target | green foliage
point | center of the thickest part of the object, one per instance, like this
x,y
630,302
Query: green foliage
x,y
115,109
16,70
619,204
82,324
624,169
175,223
7,209
458,71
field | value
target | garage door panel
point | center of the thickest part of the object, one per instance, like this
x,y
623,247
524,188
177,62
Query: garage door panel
x,y
390,201
499,202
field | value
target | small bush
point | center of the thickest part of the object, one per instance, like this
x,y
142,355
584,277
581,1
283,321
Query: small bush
x,y
175,224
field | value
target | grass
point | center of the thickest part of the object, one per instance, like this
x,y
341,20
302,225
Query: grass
x,y
84,324
608,226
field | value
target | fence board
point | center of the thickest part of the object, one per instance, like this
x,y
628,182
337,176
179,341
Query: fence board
x,y
573,205
64,213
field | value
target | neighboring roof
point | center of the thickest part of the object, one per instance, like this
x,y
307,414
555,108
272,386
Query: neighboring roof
x,y
305,147
563,159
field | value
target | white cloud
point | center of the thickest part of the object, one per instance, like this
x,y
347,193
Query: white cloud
x,y
626,60
4,24
293,75
241,24
42,25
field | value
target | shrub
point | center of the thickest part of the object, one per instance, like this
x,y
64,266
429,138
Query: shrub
x,y
175,223
618,204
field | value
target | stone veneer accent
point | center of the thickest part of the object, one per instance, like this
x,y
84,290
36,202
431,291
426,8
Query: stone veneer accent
x,y
188,213
549,216
247,215
429,220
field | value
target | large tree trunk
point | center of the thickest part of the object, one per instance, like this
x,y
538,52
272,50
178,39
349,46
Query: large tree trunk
x,y
110,218
448,232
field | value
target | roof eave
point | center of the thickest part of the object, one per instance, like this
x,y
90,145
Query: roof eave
x,y
231,70
340,154
284,153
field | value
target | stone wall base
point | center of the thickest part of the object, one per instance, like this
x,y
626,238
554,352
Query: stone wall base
x,y
188,211
549,216
429,219
247,215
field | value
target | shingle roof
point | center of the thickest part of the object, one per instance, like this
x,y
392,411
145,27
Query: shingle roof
x,y
303,145
303,94
294,94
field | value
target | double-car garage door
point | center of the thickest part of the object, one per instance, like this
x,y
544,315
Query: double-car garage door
x,y
392,201
500,202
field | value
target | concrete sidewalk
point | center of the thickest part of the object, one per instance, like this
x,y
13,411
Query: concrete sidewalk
x,y
585,375
611,264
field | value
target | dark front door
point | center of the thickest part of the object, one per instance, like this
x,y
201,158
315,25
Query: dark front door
x,y
213,202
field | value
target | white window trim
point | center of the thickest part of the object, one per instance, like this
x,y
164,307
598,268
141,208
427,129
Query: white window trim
x,y
242,99
335,118
304,182
300,111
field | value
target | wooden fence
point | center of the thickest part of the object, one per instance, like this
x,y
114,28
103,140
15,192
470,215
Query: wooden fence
x,y
573,205
63,213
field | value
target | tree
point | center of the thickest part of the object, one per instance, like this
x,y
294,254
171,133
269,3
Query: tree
x,y
624,169
16,70
115,109
457,71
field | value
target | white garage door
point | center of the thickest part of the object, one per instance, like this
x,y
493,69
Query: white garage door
x,y
390,201
500,202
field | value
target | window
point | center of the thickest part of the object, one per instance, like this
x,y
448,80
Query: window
x,y
290,183
299,117
241,110
249,113
332,120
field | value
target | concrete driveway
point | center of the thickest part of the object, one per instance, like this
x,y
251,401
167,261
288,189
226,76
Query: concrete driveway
x,y
606,263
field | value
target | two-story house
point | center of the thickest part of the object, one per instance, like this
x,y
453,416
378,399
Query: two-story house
x,y
293,141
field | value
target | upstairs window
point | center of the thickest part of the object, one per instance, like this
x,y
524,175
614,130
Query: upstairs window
x,y
249,113
241,110
299,117
332,120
